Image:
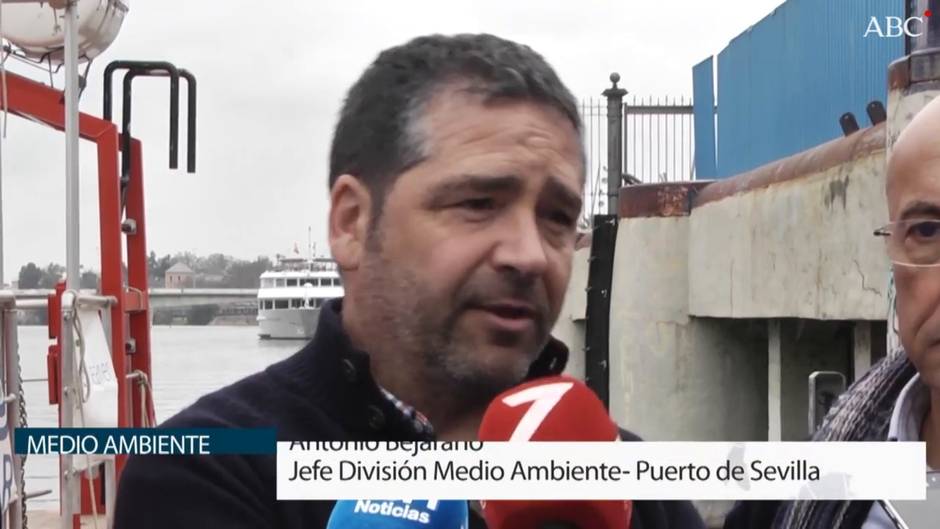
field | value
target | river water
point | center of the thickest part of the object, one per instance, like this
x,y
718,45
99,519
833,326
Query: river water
x,y
188,362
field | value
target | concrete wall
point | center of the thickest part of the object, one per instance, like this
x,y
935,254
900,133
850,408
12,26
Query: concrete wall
x,y
727,295
674,377
669,372
570,325
800,246
796,348
703,272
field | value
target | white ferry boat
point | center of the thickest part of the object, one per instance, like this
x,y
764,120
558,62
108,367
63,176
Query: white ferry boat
x,y
291,295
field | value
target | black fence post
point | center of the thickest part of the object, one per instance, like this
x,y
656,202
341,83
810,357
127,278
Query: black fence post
x,y
597,324
614,97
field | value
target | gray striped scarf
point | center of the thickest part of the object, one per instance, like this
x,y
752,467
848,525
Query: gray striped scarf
x,y
862,413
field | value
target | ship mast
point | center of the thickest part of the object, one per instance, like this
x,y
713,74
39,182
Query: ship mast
x,y
72,279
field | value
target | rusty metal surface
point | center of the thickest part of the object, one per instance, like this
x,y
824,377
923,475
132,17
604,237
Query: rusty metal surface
x,y
673,199
915,68
899,74
813,161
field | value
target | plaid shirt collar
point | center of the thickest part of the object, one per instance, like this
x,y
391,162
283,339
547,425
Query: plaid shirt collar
x,y
551,362
421,423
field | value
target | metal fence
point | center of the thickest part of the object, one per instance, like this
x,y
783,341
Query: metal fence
x,y
658,144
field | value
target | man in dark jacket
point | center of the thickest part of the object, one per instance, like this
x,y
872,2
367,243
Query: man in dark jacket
x,y
455,187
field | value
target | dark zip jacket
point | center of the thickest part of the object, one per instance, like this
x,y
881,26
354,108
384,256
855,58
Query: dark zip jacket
x,y
324,392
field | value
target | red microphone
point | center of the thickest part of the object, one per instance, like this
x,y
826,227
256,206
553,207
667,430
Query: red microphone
x,y
551,409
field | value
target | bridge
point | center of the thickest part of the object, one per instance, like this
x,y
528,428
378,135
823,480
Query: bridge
x,y
160,297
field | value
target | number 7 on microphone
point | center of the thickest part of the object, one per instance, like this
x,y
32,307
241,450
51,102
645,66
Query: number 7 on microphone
x,y
543,399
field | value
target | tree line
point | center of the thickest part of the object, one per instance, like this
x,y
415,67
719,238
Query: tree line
x,y
212,271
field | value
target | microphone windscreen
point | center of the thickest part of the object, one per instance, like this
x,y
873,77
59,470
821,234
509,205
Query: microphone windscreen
x,y
557,408
551,409
567,514
399,514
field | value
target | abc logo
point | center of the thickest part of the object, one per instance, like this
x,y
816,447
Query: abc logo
x,y
893,27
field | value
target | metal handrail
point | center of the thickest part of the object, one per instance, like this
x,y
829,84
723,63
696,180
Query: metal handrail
x,y
135,68
31,303
96,301
86,300
10,373
7,299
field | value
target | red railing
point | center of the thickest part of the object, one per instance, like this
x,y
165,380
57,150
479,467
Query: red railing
x,y
130,344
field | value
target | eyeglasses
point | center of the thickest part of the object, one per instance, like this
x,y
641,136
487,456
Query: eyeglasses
x,y
913,242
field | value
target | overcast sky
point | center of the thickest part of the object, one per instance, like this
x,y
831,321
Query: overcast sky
x,y
271,79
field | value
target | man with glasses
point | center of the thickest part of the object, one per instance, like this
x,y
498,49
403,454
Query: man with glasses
x,y
899,398
913,244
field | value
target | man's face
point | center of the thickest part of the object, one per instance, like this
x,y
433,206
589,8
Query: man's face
x,y
469,261
914,193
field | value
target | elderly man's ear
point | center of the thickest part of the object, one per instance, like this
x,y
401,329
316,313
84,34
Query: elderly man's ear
x,y
350,215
